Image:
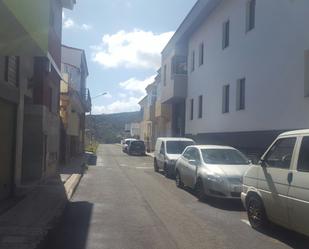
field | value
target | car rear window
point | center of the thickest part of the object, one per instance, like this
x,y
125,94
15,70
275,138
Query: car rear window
x,y
138,144
177,147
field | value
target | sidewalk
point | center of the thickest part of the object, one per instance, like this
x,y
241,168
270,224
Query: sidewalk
x,y
25,225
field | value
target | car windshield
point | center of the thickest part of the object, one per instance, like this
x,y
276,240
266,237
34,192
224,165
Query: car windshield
x,y
177,147
224,156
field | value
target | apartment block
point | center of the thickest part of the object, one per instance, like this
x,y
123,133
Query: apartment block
x,y
30,60
75,102
236,72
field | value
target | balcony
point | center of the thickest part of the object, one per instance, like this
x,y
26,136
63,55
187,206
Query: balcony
x,y
175,88
162,110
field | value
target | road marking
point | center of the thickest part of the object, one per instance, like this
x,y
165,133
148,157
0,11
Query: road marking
x,y
246,222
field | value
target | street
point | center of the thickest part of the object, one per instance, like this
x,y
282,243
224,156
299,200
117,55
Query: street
x,y
123,204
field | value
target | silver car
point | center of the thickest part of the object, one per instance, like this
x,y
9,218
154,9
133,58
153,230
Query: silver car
x,y
212,170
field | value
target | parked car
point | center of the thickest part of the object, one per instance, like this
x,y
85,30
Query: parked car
x,y
212,170
167,151
125,144
137,148
277,189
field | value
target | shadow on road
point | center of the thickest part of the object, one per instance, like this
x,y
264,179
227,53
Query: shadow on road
x,y
72,230
290,238
225,204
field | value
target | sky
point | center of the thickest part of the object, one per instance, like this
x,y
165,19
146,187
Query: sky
x,y
123,40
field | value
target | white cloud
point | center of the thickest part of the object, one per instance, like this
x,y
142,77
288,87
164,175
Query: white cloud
x,y
135,49
135,85
127,105
85,27
133,92
69,23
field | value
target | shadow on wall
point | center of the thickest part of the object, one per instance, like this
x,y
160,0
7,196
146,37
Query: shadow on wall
x,y
72,231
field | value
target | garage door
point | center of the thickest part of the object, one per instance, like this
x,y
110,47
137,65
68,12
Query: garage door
x,y
7,138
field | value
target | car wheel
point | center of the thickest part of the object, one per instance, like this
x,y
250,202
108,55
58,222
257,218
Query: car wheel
x,y
167,171
256,212
200,190
178,180
155,165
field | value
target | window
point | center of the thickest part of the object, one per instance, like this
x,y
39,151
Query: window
x,y
226,35
241,89
192,109
306,88
193,61
303,160
250,15
11,69
280,155
164,75
226,99
188,153
201,54
200,106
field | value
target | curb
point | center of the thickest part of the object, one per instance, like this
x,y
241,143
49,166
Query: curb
x,y
71,185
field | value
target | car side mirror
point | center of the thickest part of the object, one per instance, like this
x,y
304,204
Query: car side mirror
x,y
262,162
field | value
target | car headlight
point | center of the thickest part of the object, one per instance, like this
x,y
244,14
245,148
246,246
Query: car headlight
x,y
214,178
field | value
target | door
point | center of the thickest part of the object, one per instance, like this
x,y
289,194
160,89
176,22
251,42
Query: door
x,y
299,191
7,142
188,155
193,164
273,180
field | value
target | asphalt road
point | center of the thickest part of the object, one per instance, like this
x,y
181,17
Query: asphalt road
x,y
123,204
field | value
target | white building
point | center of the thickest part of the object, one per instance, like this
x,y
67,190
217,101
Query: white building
x,y
248,71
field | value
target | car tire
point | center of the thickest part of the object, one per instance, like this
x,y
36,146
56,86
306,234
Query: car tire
x,y
200,190
256,212
178,180
167,171
155,165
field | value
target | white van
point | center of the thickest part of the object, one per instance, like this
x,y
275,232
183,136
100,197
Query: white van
x,y
277,190
167,151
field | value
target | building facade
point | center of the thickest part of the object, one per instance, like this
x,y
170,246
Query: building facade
x,y
30,76
247,74
75,102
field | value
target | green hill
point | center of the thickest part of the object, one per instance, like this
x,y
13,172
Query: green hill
x,y
109,128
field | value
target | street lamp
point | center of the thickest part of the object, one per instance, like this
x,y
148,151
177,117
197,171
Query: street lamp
x,y
92,123
99,95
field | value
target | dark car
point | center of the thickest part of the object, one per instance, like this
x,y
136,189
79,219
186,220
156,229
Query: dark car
x,y
137,148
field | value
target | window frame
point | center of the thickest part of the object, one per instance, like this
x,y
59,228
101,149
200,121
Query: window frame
x,y
200,107
192,109
201,54
250,15
226,99
226,34
241,94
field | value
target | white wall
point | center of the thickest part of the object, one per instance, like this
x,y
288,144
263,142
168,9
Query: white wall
x,y
270,57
